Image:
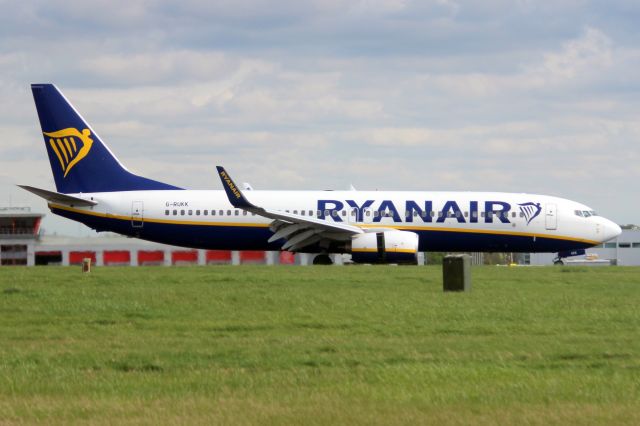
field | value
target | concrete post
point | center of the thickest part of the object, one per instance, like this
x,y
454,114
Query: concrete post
x,y
270,257
235,257
167,257
99,258
303,258
202,257
31,255
134,257
337,259
65,257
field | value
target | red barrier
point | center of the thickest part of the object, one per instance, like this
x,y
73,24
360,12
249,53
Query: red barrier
x,y
150,257
184,257
116,257
218,256
75,257
287,258
252,256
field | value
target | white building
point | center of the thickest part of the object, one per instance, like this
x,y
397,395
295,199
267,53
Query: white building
x,y
624,250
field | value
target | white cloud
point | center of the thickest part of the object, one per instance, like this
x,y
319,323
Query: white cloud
x,y
440,95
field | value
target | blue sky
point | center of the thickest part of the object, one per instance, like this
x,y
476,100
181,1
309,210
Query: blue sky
x,y
519,96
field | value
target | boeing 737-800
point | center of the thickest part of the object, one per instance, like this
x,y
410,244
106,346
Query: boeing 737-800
x,y
94,188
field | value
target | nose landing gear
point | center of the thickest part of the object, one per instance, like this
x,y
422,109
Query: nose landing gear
x,y
559,260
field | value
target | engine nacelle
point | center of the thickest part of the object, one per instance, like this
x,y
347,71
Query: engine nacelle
x,y
385,247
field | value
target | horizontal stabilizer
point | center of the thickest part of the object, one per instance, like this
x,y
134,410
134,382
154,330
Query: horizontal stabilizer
x,y
56,197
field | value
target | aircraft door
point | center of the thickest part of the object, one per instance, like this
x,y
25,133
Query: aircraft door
x,y
137,214
551,216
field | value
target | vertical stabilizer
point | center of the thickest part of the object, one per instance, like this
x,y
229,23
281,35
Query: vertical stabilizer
x,y
80,161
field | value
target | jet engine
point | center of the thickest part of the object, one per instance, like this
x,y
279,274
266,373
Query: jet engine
x,y
385,247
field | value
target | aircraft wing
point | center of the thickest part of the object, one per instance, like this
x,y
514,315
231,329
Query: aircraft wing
x,y
298,231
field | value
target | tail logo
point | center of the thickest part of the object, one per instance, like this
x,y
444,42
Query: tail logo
x,y
530,210
70,146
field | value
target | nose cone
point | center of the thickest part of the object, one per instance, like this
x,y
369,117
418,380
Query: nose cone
x,y
610,230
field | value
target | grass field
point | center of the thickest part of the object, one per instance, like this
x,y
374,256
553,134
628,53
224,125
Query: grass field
x,y
319,345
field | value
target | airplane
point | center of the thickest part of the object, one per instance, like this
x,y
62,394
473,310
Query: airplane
x,y
94,188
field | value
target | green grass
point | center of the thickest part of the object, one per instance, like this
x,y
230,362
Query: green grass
x,y
319,345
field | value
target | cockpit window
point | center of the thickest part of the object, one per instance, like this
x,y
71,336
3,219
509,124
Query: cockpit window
x,y
585,213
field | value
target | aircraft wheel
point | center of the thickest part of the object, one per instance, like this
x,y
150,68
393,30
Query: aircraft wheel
x,y
322,259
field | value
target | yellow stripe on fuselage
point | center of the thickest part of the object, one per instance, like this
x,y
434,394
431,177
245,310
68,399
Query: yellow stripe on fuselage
x,y
480,231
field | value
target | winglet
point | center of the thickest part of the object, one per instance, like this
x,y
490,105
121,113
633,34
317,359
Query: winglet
x,y
236,198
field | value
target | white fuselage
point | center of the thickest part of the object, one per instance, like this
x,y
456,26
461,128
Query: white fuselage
x,y
444,221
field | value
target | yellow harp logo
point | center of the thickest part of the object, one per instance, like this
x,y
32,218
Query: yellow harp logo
x,y
70,146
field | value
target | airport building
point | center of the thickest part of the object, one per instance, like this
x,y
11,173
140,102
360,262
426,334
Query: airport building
x,y
624,251
23,243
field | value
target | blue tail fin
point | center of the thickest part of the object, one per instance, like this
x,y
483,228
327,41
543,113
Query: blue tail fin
x,y
80,161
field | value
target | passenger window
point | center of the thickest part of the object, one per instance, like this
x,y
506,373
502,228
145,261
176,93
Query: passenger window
x,y
221,212
295,212
166,212
481,214
205,212
181,212
513,214
334,213
244,212
344,212
474,215
440,213
302,212
237,212
197,212
228,212
190,212
310,212
367,213
175,212
376,213
466,214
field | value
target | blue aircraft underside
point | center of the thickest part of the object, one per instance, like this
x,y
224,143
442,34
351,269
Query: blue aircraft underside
x,y
255,238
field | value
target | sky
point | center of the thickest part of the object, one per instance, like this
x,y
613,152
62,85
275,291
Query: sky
x,y
518,96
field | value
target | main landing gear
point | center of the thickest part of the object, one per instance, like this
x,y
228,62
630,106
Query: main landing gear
x,y
322,259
